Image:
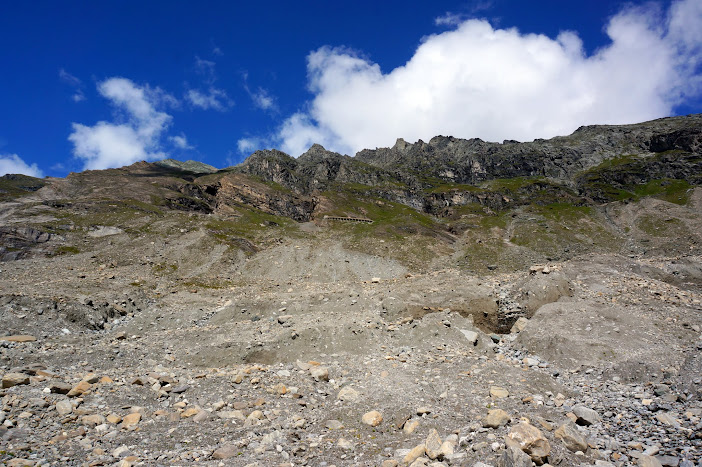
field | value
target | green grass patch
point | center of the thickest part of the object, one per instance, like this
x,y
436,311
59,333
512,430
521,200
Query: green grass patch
x,y
671,190
132,216
16,185
655,226
66,250
561,230
513,184
163,268
618,161
250,224
409,236
382,212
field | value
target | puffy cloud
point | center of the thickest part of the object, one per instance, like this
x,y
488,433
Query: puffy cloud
x,y
247,145
13,164
215,99
299,132
479,81
262,99
136,136
180,141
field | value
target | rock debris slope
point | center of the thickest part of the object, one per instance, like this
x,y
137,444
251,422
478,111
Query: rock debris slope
x,y
510,304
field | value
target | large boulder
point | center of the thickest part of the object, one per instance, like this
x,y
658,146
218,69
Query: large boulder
x,y
529,439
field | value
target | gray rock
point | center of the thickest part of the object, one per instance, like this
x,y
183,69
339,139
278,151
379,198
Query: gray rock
x,y
668,461
667,419
348,393
334,425
433,445
571,437
121,451
225,452
514,457
64,407
519,325
180,389
586,416
345,444
530,440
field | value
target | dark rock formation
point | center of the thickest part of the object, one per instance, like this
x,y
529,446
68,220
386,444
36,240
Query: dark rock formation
x,y
447,171
15,242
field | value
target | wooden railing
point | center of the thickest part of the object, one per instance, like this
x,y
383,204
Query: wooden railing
x,y
348,219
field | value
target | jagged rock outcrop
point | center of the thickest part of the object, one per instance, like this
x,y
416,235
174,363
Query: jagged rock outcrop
x,y
273,166
473,161
236,189
314,171
445,172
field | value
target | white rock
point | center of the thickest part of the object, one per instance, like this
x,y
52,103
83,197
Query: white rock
x,y
471,336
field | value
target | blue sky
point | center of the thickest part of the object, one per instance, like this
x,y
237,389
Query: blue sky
x,y
90,85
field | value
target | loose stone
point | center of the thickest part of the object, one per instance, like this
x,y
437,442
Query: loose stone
x,y
372,418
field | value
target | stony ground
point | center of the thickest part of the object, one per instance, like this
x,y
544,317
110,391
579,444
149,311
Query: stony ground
x,y
321,356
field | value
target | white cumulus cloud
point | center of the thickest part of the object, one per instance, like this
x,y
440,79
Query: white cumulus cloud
x,y
180,141
136,134
479,81
13,164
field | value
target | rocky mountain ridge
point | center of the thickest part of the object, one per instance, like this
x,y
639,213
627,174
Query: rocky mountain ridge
x,y
448,171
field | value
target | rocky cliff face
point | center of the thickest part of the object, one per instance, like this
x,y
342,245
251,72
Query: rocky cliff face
x,y
15,242
449,171
314,171
236,189
473,161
